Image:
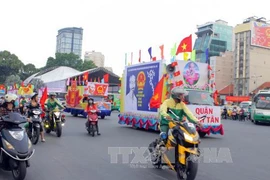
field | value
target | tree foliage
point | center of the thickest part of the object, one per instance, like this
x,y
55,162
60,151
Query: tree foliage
x,y
38,84
13,79
10,64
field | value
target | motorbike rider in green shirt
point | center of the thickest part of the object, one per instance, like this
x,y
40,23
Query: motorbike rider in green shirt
x,y
51,104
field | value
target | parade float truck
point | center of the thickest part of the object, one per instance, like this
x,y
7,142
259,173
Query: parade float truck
x,y
76,98
140,83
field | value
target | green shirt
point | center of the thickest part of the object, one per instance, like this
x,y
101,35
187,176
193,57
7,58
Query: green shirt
x,y
52,104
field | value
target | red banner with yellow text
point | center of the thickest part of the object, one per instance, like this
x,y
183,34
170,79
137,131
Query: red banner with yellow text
x,y
237,98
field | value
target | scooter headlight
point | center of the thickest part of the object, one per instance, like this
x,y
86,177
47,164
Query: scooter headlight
x,y
19,135
29,143
188,137
8,145
57,114
63,124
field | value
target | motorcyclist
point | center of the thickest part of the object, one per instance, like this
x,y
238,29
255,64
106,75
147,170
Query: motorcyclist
x,y
178,106
34,105
234,111
249,112
22,104
9,104
225,112
91,106
51,104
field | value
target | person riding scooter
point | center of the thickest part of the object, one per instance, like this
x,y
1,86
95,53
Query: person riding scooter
x,y
34,105
91,106
50,105
234,113
225,113
22,104
242,114
8,105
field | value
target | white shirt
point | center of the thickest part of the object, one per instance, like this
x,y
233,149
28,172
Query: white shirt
x,y
130,102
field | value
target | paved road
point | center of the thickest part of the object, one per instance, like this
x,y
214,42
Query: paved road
x,y
76,155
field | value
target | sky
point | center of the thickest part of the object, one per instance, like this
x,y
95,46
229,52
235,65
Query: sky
x,y
113,27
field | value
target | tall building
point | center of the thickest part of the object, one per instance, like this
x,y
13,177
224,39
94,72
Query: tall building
x,y
97,57
69,40
222,70
215,36
251,58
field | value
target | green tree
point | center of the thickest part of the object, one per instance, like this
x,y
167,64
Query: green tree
x,y
38,84
13,79
29,69
87,65
9,65
69,60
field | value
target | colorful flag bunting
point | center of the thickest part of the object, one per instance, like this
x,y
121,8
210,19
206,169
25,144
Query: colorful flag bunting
x,y
140,55
193,55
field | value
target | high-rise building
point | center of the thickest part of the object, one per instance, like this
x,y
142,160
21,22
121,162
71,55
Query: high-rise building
x,y
251,58
69,40
97,57
215,36
222,70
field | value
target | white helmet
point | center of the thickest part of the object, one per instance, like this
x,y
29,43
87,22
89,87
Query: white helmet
x,y
176,91
10,97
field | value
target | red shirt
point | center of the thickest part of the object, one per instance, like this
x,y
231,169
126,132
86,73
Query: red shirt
x,y
91,107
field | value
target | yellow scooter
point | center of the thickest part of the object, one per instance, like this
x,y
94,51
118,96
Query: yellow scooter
x,y
184,138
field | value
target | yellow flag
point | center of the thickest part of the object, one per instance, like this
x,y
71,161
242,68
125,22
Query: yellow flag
x,y
193,55
185,56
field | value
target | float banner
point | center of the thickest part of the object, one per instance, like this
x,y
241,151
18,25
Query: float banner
x,y
260,35
96,89
194,75
139,86
27,90
213,114
2,89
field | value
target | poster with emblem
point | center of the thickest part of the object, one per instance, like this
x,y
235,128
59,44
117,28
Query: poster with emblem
x,y
96,89
139,85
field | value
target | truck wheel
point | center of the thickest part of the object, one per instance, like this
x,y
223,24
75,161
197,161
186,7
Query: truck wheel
x,y
102,117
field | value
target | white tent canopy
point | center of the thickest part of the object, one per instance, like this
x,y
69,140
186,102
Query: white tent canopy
x,y
58,74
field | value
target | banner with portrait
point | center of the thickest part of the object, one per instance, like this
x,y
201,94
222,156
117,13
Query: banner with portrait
x,y
96,89
139,84
194,75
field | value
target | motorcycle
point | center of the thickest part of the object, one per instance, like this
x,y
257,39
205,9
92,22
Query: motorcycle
x,y
91,125
16,147
184,137
56,123
34,133
234,115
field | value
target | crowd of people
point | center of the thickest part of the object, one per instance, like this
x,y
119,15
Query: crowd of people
x,y
8,104
236,114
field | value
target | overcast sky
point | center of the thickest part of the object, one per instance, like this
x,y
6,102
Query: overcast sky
x,y
113,27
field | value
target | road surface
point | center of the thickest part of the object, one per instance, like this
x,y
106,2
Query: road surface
x,y
76,155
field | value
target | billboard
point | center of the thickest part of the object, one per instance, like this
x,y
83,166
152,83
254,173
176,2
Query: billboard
x,y
139,84
260,35
193,75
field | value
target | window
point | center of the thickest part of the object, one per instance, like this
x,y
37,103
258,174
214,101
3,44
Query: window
x,y
77,36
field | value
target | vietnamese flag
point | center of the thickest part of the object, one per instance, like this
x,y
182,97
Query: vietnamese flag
x,y
106,78
156,99
43,99
185,45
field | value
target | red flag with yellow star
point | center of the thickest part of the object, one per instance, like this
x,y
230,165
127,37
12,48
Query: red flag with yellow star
x,y
185,45
156,99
